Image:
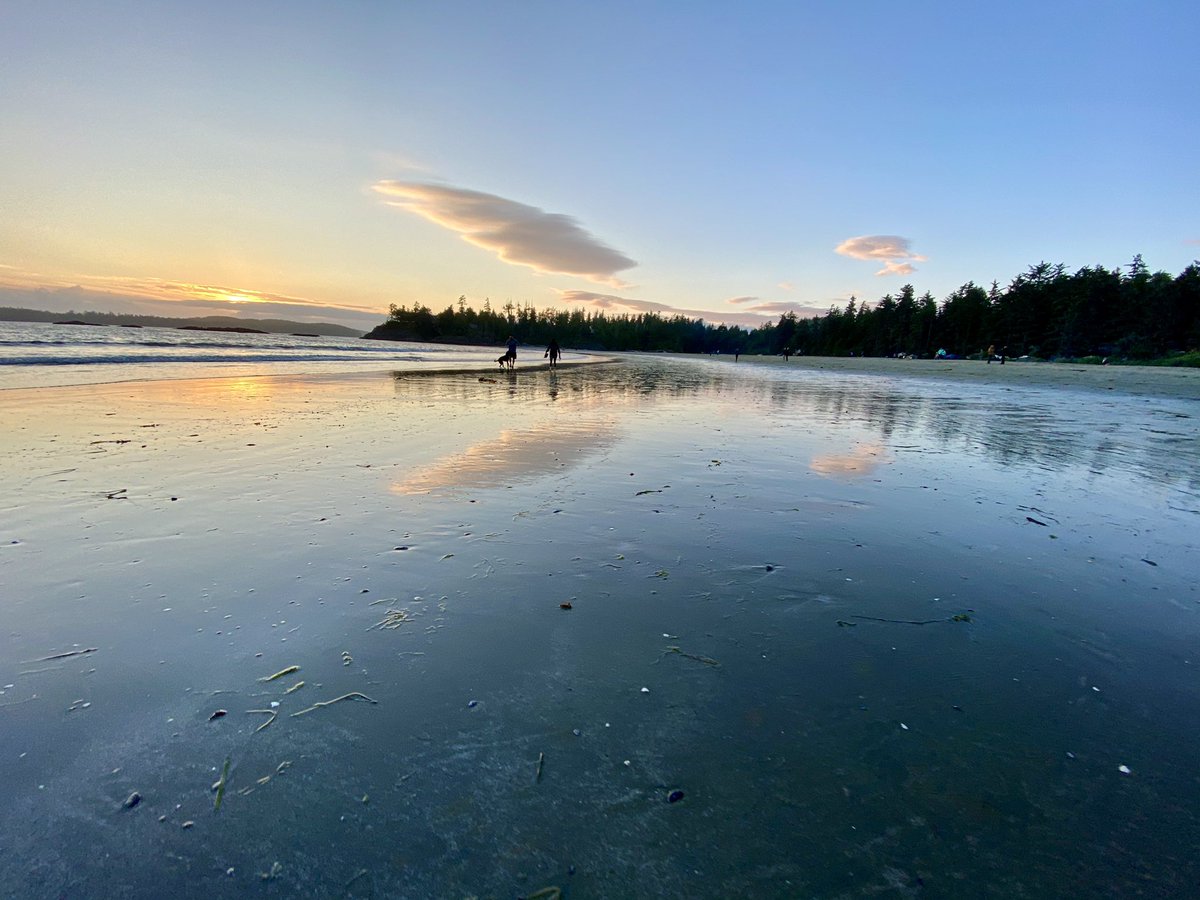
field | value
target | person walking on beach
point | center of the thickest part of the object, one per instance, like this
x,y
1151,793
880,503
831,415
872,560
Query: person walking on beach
x,y
991,352
512,351
553,352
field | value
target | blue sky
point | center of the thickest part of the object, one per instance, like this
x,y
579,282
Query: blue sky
x,y
322,160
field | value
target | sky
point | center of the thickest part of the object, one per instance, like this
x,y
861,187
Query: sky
x,y
320,161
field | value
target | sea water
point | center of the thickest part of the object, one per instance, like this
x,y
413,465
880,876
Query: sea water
x,y
44,355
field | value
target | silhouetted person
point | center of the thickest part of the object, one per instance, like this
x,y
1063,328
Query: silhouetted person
x,y
553,353
512,351
991,352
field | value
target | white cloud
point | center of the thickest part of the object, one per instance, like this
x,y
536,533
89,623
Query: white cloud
x,y
786,286
890,248
776,308
517,233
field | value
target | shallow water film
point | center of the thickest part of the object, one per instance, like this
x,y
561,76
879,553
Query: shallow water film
x,y
654,628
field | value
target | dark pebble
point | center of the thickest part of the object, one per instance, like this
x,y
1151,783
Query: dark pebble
x,y
219,712
675,796
471,704
132,800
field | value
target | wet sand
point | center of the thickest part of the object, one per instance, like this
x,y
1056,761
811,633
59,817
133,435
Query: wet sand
x,y
1157,381
833,631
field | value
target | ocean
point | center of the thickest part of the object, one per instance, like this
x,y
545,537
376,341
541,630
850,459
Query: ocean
x,y
47,355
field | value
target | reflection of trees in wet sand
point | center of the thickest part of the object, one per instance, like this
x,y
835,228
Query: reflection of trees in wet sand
x,y
513,454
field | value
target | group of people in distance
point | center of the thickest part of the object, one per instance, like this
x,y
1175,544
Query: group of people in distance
x,y
509,359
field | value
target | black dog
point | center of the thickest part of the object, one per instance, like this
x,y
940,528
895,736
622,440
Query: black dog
x,y
507,359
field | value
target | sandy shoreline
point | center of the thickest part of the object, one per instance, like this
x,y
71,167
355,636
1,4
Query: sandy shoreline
x,y
1159,381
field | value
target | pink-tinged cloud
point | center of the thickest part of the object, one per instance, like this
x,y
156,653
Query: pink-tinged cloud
x,y
891,248
740,300
786,286
517,233
896,268
763,313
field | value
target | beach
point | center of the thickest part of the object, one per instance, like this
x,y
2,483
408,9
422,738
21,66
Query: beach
x,y
649,626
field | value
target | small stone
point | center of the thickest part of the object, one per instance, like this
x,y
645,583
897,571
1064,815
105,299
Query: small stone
x,y
1124,770
471,704
132,800
188,824
675,796
217,714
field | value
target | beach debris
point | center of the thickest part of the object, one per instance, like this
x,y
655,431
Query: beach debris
x,y
1036,521
675,796
131,801
651,491
353,695
220,786
546,893
288,671
566,604
218,714
958,617
346,658
471,704
537,776
188,824
1150,562
1124,770
295,687
78,705
272,873
707,660
645,690
283,767
267,712
392,619
842,623
67,655
662,573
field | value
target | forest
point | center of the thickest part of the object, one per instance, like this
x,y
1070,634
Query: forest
x,y
1121,314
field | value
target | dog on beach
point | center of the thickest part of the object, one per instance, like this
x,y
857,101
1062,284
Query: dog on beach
x,y
507,360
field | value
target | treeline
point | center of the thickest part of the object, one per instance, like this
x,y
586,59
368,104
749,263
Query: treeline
x,y
1046,312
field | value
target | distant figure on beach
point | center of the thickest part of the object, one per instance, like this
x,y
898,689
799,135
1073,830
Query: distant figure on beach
x,y
1003,354
553,352
737,351
991,352
509,358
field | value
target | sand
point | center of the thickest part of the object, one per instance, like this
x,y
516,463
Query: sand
x,y
746,548
1157,381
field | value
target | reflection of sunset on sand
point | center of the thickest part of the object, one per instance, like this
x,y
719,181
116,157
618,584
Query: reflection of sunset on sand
x,y
859,462
514,454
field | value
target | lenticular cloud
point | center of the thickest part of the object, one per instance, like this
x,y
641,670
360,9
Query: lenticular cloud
x,y
517,233
890,248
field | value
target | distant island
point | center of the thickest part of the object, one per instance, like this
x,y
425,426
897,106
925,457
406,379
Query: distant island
x,y
202,323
